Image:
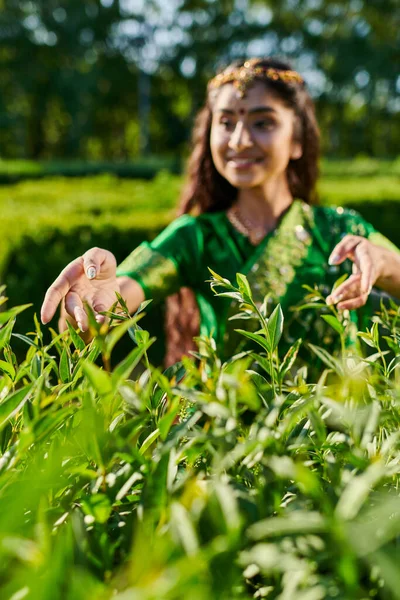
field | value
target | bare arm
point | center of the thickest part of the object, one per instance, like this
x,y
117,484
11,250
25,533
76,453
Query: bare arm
x,y
389,278
131,292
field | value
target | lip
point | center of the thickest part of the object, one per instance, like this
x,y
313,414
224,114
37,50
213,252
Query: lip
x,y
243,162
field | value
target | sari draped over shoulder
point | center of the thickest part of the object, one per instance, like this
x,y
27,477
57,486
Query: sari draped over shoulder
x,y
294,254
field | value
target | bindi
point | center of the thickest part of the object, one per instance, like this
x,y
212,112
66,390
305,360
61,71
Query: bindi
x,y
241,111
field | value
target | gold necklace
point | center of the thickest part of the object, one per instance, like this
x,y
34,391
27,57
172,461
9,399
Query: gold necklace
x,y
245,226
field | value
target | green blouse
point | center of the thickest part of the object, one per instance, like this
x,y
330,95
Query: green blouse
x,y
293,254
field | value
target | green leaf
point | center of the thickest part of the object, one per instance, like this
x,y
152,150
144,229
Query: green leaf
x,y
65,369
122,302
126,366
301,521
38,328
375,334
244,286
234,295
314,291
260,340
358,489
75,337
26,339
182,523
13,404
290,357
97,506
36,366
339,281
367,338
327,359
227,498
5,333
149,440
99,379
143,306
334,322
47,424
166,422
220,279
309,305
275,326
260,360
8,368
116,333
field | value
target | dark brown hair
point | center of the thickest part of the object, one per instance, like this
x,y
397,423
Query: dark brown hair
x,y
208,191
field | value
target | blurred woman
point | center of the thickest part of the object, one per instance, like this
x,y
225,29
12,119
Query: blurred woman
x,y
249,206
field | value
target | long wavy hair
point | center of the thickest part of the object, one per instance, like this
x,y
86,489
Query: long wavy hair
x,y
206,190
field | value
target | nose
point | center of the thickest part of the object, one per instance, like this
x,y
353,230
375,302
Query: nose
x,y
240,138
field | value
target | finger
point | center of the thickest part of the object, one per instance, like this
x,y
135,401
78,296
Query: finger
x,y
59,289
343,249
353,303
348,288
74,307
62,321
63,318
364,261
99,263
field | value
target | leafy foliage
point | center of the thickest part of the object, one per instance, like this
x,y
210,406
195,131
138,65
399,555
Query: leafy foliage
x,y
241,479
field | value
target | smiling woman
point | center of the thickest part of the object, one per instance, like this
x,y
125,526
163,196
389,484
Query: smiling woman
x,y
249,206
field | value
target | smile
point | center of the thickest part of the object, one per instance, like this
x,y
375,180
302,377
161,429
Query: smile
x,y
243,163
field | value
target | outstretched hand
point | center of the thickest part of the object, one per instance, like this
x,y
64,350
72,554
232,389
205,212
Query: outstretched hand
x,y
90,279
366,258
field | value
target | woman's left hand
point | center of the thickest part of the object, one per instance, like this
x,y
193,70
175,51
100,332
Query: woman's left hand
x,y
366,258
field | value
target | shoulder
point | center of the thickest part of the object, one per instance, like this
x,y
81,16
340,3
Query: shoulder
x,y
183,222
181,226
199,225
196,221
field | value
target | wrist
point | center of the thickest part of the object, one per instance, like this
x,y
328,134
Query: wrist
x,y
387,262
381,265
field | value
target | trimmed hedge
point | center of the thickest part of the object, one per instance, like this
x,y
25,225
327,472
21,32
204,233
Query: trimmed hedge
x,y
361,166
47,223
13,171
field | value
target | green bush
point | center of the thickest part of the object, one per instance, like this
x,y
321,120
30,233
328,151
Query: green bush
x,y
211,481
47,223
361,166
12,171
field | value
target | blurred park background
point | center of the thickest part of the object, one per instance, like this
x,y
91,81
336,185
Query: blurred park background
x,y
98,97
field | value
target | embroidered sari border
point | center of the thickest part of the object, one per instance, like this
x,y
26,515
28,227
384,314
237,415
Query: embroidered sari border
x,y
157,274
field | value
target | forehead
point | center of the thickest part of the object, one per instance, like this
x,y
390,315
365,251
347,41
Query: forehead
x,y
258,95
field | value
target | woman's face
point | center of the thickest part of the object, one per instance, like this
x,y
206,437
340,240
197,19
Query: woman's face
x,y
252,138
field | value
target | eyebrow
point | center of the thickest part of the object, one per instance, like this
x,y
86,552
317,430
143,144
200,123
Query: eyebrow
x,y
252,111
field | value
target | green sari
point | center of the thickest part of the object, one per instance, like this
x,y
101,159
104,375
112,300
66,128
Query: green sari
x,y
293,254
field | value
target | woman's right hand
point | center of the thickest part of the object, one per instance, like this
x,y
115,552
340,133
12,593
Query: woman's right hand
x,y
91,278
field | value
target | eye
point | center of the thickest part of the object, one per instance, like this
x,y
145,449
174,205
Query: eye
x,y
227,124
264,124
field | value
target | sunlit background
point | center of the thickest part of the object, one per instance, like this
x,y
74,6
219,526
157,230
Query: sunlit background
x,y
118,79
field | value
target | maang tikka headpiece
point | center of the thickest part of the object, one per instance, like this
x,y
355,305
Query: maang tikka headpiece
x,y
244,76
